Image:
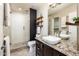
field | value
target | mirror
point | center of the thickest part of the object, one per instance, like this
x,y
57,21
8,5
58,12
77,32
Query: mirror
x,y
56,25
58,16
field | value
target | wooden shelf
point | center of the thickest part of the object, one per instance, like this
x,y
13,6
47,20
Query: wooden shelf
x,y
74,24
39,22
39,17
39,25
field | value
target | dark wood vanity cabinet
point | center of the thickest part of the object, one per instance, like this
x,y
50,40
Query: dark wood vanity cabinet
x,y
47,50
39,48
44,50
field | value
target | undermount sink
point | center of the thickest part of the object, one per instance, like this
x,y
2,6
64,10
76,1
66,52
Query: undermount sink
x,y
51,39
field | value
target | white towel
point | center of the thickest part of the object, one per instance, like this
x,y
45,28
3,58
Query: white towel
x,y
38,30
7,45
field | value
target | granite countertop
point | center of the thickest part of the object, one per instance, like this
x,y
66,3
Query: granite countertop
x,y
62,47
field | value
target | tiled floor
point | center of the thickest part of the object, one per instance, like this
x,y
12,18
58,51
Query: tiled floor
x,y
21,52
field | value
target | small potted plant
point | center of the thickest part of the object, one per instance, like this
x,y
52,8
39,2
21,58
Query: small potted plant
x,y
76,19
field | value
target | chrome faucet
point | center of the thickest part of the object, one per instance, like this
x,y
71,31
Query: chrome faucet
x,y
57,33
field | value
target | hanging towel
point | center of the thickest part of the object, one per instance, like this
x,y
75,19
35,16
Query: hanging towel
x,y
38,30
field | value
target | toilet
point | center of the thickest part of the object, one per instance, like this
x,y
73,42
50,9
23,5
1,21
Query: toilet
x,y
32,48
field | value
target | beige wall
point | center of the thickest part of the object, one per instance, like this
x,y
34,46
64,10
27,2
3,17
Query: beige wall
x,y
6,29
1,27
44,12
51,25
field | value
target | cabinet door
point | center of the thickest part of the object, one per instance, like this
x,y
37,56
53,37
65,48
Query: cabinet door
x,y
57,53
39,48
47,50
60,54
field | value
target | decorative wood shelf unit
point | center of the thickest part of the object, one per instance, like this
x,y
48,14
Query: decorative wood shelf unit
x,y
39,21
74,24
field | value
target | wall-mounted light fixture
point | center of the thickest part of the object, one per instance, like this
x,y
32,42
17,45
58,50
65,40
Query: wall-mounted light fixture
x,y
53,5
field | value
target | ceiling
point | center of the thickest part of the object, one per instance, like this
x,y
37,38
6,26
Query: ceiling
x,y
58,8
25,6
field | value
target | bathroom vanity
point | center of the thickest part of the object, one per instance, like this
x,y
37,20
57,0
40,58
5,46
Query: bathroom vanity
x,y
60,49
45,50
